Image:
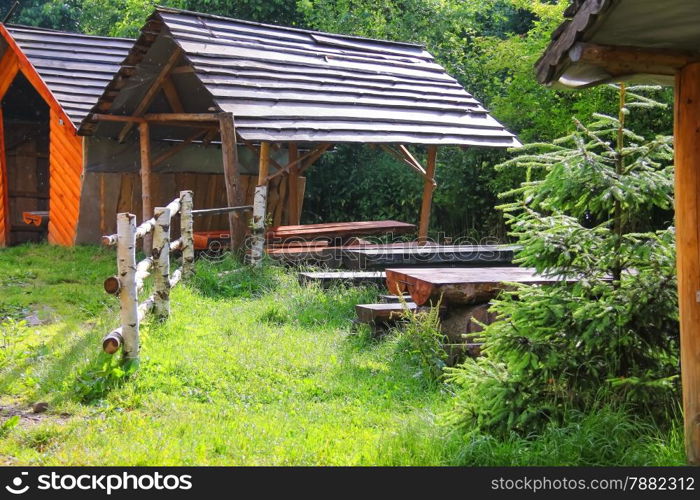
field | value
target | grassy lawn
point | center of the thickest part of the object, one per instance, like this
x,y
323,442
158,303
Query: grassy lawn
x,y
251,369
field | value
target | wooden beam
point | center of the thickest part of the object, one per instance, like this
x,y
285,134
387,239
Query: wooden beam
x,y
182,117
428,186
293,208
622,60
152,91
176,149
213,133
264,163
313,153
182,69
116,118
146,202
172,96
255,150
687,200
404,155
232,179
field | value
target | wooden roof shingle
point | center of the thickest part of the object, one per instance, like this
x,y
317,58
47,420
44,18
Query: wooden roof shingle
x,y
76,68
287,84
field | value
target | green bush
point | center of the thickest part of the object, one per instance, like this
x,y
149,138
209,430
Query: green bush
x,y
611,337
421,339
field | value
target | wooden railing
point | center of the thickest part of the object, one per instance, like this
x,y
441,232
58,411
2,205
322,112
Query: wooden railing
x,y
130,277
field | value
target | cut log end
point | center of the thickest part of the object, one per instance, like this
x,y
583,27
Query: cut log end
x,y
109,240
112,342
112,285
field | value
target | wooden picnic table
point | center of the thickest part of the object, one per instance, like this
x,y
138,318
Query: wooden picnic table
x,y
337,231
472,285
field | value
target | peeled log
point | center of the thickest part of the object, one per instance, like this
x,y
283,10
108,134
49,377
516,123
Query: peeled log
x,y
112,342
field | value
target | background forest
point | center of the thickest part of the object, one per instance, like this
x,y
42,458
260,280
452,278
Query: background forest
x,y
490,46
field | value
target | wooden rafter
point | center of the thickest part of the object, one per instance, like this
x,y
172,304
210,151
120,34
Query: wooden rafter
x,y
620,60
314,153
402,154
152,91
211,135
176,149
315,156
172,96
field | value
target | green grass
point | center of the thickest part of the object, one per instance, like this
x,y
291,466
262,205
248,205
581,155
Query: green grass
x,y
251,369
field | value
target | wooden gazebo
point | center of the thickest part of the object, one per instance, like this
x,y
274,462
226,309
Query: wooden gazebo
x,y
648,41
194,83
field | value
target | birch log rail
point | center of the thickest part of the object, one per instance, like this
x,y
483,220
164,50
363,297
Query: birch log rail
x,y
131,275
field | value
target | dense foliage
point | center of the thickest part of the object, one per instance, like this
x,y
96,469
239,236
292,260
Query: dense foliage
x,y
612,337
490,47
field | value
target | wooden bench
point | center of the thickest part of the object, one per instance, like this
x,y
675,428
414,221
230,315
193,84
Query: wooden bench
x,y
326,279
383,313
339,233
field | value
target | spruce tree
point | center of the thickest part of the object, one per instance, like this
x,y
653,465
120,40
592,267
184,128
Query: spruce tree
x,y
588,211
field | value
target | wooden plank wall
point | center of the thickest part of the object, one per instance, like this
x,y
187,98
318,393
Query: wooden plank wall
x,y
123,194
65,169
8,71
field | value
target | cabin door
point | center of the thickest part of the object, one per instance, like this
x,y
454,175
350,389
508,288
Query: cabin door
x,y
25,118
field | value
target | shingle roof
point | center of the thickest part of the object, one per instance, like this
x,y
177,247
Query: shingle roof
x,y
288,84
76,68
582,15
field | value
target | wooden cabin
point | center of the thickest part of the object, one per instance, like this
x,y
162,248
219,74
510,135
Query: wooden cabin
x,y
49,80
220,106
647,41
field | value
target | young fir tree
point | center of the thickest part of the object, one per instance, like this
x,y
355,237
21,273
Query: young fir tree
x,y
612,337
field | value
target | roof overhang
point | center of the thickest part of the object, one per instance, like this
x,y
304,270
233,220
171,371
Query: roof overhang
x,y
637,41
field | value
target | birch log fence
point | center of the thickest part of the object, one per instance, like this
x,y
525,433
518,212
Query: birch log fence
x,y
131,275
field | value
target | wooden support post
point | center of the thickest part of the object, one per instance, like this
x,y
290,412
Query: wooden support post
x,y
187,233
687,199
232,179
428,186
128,298
264,166
260,205
161,263
146,206
293,208
259,209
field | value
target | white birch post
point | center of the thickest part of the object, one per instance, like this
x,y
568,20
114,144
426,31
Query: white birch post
x,y
187,233
128,297
161,262
258,240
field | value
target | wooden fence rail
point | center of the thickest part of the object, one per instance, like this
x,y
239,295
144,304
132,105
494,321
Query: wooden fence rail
x,y
130,277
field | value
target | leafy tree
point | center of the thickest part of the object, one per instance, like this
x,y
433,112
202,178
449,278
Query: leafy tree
x,y
46,14
613,335
490,47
